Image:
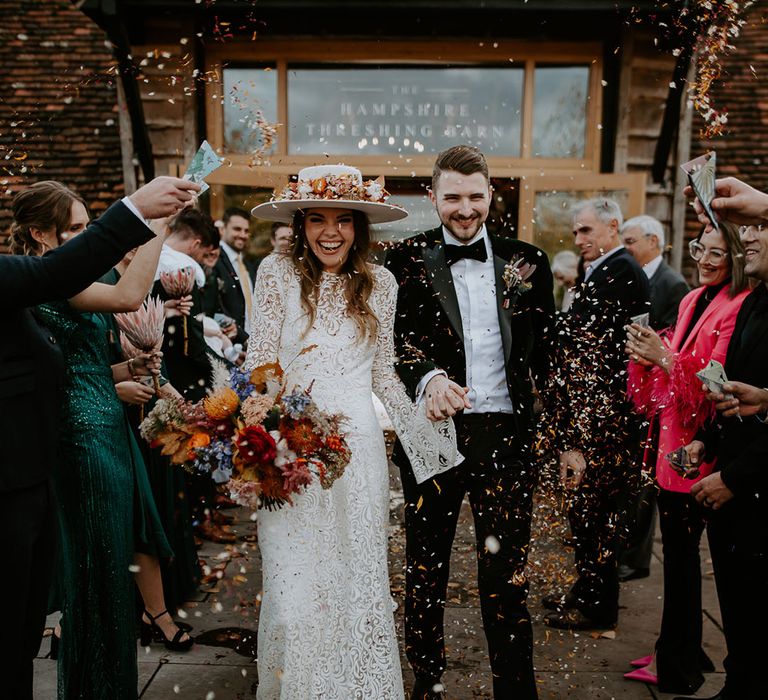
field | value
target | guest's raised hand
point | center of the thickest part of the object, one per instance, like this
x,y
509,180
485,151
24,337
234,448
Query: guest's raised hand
x,y
445,398
735,201
739,399
178,307
572,468
645,346
164,196
134,393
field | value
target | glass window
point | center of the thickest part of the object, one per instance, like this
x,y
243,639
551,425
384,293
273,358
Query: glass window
x,y
560,111
552,216
378,111
250,97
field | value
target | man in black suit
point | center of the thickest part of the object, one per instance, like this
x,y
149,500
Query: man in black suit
x,y
457,316
643,236
735,494
233,275
588,419
32,374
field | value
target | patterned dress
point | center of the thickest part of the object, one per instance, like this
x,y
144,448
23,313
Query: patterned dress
x,y
106,511
326,628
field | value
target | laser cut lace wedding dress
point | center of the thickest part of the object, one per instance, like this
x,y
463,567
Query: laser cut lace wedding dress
x,y
326,627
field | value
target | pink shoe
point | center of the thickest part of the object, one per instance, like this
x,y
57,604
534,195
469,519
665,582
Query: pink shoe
x,y
642,661
642,675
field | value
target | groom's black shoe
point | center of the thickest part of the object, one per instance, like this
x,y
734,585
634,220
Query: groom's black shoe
x,y
559,602
427,690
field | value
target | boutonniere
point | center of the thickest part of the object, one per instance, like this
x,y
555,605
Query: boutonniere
x,y
515,276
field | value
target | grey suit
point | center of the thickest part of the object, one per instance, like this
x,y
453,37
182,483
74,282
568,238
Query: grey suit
x,y
667,290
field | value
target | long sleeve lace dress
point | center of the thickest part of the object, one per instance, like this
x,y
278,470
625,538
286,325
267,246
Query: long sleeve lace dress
x,y
326,628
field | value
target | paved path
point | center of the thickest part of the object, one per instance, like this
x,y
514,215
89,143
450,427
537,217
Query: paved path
x,y
569,665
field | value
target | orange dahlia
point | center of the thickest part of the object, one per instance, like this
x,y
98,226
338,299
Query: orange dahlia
x,y
300,435
221,404
198,440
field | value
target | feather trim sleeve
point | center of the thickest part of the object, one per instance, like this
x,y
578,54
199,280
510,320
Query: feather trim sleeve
x,y
685,397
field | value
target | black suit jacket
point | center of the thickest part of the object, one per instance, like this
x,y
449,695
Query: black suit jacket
x,y
667,291
586,406
742,446
428,329
228,298
32,369
190,371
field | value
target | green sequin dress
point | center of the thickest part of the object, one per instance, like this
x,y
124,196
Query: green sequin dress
x,y
106,512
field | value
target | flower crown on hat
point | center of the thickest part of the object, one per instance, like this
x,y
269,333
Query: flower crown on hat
x,y
334,182
335,186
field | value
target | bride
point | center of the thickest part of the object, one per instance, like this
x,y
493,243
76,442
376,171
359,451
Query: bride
x,y
326,628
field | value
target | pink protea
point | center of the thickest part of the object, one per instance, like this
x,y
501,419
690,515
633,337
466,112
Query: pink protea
x,y
142,330
178,283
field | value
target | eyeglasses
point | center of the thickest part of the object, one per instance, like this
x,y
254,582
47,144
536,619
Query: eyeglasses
x,y
744,229
699,252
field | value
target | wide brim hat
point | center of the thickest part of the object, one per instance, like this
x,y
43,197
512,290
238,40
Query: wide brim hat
x,y
335,187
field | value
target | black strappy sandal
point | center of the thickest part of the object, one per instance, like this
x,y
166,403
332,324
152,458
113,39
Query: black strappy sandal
x,y
151,631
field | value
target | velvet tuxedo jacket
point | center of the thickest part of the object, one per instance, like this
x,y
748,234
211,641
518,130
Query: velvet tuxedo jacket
x,y
428,328
32,367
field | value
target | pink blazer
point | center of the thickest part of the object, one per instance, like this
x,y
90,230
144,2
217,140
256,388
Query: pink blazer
x,y
676,400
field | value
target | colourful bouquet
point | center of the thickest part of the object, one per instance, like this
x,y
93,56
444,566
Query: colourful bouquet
x,y
267,443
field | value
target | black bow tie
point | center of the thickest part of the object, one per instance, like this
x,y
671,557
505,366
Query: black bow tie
x,y
476,251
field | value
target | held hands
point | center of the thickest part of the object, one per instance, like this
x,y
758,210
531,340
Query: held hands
x,y
230,331
734,201
146,364
747,400
164,196
178,307
645,347
445,398
711,492
572,468
134,393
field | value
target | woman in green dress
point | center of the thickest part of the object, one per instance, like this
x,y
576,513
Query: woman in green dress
x,y
108,519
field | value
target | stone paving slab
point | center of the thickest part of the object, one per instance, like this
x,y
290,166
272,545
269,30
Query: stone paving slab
x,y
569,665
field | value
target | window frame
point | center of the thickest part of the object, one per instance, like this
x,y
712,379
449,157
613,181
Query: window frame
x,y
284,52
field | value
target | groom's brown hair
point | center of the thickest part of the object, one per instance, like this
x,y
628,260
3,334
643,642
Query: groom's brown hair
x,y
466,160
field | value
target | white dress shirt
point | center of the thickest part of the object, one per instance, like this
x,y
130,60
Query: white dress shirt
x,y
591,267
650,267
475,284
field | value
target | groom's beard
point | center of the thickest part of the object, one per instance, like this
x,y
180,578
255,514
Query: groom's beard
x,y
463,228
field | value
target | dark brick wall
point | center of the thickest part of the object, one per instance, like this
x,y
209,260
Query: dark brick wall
x,y
58,104
742,150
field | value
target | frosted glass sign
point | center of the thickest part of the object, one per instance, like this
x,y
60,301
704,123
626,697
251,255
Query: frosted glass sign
x,y
560,111
250,97
380,111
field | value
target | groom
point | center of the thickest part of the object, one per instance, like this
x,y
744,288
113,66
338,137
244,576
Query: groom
x,y
469,344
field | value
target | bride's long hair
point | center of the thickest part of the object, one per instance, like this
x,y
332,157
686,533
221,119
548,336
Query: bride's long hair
x,y
358,283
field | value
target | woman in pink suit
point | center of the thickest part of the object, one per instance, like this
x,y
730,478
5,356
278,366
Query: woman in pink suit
x,y
663,386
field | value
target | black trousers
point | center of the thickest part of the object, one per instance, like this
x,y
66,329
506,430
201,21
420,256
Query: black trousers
x,y
641,526
500,488
678,648
738,542
597,517
28,543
